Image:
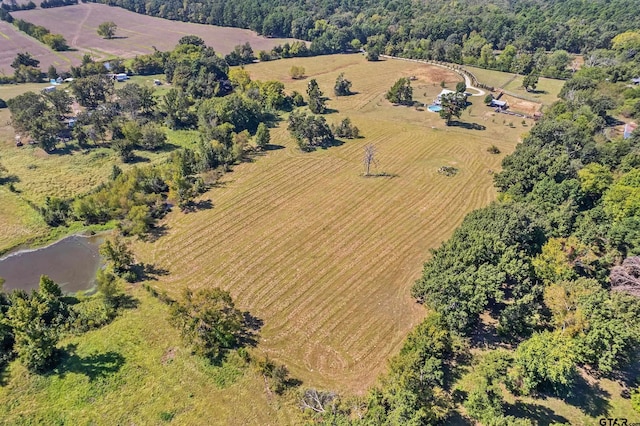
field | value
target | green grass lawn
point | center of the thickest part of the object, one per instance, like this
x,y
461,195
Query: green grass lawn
x,y
546,91
592,399
136,371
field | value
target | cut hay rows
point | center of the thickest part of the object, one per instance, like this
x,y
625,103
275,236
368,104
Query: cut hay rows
x,y
324,256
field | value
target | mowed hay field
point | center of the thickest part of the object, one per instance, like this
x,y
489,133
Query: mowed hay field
x,y
136,34
324,256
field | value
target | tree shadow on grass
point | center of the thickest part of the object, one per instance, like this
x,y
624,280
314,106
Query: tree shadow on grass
x,y
168,147
468,126
94,366
148,271
457,419
137,159
335,142
273,147
156,233
196,206
381,175
9,179
628,376
251,328
589,398
126,301
540,414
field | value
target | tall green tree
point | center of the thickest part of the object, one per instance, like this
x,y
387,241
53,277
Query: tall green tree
x,y
316,98
545,361
530,81
208,321
342,86
92,91
263,136
452,105
310,131
107,29
37,321
401,92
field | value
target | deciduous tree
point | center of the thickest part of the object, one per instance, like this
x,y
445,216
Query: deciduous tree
x,y
316,98
342,86
107,29
401,92
208,321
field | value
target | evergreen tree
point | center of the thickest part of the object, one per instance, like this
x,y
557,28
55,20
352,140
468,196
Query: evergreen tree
x,y
401,92
316,98
342,87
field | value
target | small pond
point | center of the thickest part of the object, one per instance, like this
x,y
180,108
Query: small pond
x,y
71,262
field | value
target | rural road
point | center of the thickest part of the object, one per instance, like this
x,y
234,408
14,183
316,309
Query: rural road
x,y
467,79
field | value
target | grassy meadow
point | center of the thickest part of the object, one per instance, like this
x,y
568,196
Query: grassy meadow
x,y
546,91
322,255
135,371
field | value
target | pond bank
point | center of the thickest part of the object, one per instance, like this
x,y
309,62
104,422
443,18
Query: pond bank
x,y
72,262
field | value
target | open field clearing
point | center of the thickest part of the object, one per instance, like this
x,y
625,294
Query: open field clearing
x,y
14,42
323,255
135,371
136,35
546,91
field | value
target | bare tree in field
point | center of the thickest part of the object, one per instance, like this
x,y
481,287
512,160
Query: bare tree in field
x,y
369,158
318,401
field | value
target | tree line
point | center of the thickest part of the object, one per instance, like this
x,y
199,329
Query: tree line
x,y
466,32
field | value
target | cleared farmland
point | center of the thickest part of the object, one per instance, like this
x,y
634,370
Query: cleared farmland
x,y
324,256
136,35
546,91
14,42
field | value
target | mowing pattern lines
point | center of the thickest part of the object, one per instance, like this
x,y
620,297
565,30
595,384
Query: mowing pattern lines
x,y
323,255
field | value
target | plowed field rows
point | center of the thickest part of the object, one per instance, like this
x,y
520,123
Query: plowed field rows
x,y
324,256
136,34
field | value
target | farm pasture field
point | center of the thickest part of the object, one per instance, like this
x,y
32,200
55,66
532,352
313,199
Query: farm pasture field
x,y
546,91
136,34
14,42
324,256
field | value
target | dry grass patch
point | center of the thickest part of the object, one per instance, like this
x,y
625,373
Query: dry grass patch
x,y
324,256
13,42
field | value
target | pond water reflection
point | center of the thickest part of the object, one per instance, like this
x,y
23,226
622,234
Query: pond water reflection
x,y
71,262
